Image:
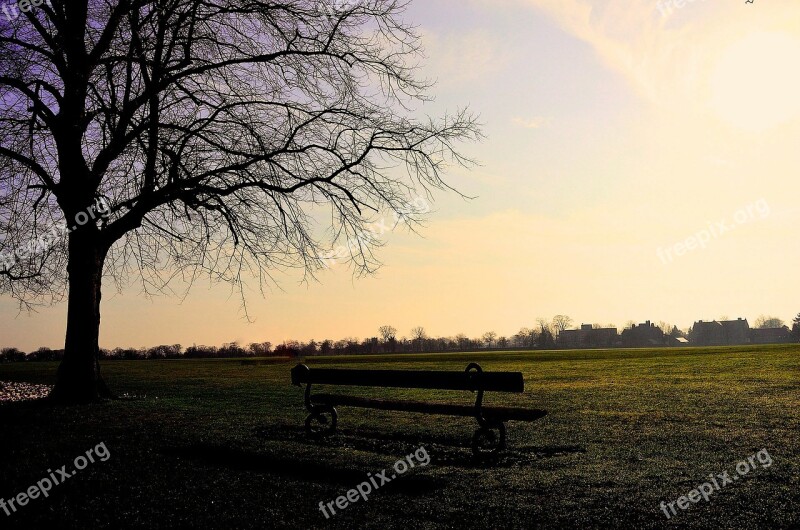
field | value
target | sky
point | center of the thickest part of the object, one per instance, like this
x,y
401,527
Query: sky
x,y
640,163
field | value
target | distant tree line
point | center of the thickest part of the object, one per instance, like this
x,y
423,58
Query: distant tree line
x,y
542,336
174,351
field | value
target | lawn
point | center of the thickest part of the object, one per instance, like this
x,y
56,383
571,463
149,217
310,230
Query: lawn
x,y
220,444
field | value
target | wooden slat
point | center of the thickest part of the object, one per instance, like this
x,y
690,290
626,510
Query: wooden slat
x,y
429,379
490,412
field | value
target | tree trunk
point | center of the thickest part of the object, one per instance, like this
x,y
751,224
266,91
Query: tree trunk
x,y
79,378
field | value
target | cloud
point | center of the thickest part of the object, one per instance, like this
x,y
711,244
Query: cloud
x,y
625,36
667,59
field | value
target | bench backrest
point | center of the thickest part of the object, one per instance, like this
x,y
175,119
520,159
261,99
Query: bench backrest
x,y
430,379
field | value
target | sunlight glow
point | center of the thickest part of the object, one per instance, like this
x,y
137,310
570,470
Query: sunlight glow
x,y
755,85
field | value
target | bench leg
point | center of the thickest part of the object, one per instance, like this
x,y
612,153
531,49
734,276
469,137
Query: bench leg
x,y
317,423
489,439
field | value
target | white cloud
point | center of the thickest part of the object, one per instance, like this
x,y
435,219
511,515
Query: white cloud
x,y
669,60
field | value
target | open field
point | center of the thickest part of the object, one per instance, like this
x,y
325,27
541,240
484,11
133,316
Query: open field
x,y
219,444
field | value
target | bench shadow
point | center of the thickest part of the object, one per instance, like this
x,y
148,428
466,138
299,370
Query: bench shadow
x,y
379,442
344,437
443,450
552,450
319,472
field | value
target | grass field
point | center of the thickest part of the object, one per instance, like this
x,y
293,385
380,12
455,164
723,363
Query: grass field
x,y
219,444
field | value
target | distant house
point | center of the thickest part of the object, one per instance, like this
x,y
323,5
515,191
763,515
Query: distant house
x,y
771,335
724,333
707,334
643,336
588,337
737,331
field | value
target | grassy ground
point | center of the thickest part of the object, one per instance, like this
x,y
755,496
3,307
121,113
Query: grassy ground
x,y
218,444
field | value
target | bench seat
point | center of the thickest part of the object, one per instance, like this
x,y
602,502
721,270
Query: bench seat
x,y
426,407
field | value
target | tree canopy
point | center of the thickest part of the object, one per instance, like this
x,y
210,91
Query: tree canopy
x,y
219,134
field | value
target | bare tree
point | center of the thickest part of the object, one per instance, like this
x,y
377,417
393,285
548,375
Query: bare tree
x,y
544,324
666,327
560,323
418,334
260,349
388,333
525,338
488,338
389,336
213,130
766,322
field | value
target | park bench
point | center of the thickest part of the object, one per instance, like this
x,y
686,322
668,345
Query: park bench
x,y
488,439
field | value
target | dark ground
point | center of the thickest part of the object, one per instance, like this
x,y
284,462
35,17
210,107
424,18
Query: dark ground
x,y
218,444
